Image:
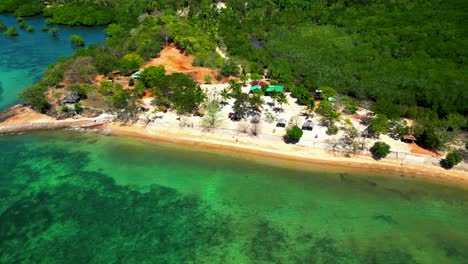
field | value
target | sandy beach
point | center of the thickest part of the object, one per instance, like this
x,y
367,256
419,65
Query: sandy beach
x,y
298,156
268,145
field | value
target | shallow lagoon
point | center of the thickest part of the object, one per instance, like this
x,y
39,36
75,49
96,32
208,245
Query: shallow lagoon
x,y
67,197
24,58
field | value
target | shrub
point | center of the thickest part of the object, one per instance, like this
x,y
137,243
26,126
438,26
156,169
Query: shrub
x,y
452,159
379,124
332,130
30,28
44,28
429,140
2,26
294,134
76,40
11,31
350,105
302,94
380,150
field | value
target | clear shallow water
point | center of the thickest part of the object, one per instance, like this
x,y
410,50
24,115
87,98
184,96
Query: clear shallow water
x,y
24,58
67,197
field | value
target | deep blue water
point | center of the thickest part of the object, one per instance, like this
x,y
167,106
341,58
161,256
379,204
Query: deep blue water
x,y
24,58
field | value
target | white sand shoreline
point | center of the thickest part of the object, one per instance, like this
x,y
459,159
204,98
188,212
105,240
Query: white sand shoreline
x,y
242,144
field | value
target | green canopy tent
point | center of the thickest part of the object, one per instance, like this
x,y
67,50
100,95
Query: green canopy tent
x,y
271,88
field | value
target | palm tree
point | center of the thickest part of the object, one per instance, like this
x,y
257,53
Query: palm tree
x,y
274,96
310,107
256,101
243,76
235,87
282,99
224,95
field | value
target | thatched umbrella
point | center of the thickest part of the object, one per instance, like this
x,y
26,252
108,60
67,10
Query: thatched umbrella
x,y
281,122
255,119
308,125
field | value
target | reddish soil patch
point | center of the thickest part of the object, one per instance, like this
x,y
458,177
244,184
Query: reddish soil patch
x,y
176,60
418,150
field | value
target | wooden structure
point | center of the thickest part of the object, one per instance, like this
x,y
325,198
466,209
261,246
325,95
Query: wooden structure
x,y
408,139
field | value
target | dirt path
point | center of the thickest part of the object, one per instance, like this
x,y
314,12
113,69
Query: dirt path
x,y
175,60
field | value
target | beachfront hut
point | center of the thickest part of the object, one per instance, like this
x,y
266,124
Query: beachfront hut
x,y
408,139
70,99
255,119
281,122
308,125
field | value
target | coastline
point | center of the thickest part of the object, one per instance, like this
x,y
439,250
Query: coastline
x,y
289,153
21,119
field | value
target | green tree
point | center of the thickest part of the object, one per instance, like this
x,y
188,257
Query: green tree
x,y
302,94
120,98
332,130
310,105
452,159
53,32
255,76
30,28
274,96
186,95
11,31
329,112
76,40
153,77
243,76
229,68
208,79
130,62
350,105
106,87
328,92
211,118
35,96
379,124
44,28
380,150
282,99
235,87
2,26
294,134
428,139
225,95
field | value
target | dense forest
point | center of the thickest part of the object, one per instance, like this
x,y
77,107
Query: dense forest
x,y
407,57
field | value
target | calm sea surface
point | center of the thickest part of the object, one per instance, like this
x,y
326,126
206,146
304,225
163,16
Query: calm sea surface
x,y
24,58
68,197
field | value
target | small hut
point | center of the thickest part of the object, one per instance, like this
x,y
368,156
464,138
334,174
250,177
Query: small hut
x,y
308,125
259,83
408,139
255,119
70,99
281,122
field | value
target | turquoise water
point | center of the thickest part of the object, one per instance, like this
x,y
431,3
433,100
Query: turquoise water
x,y
67,197
24,58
